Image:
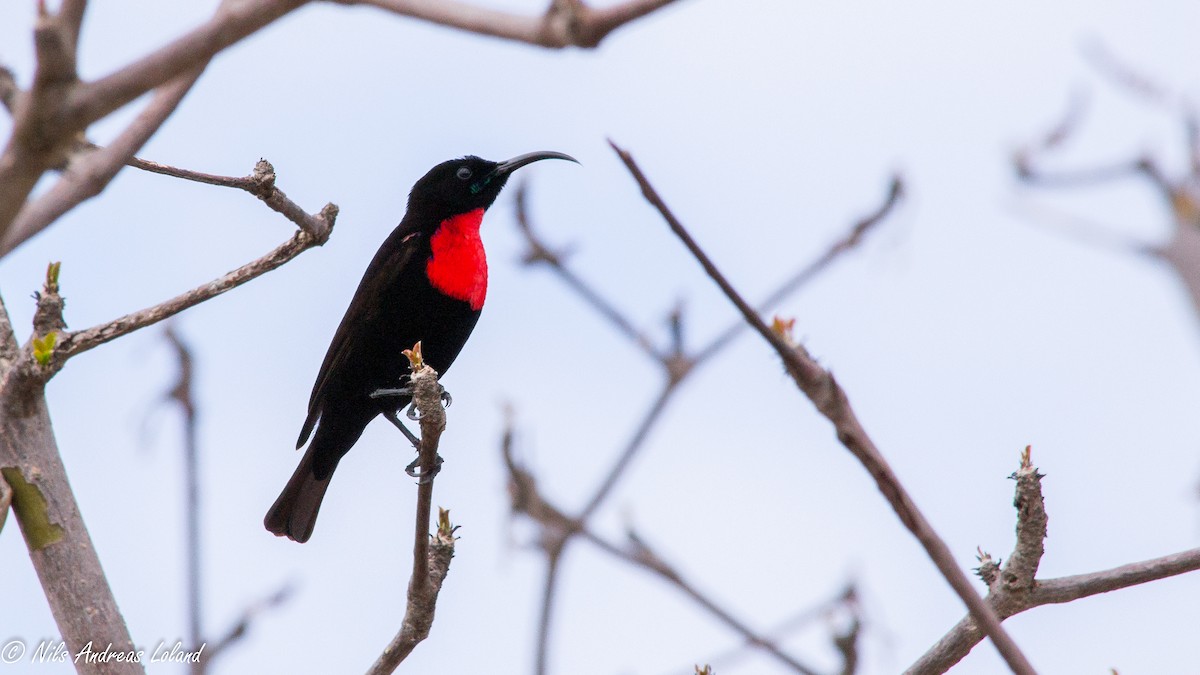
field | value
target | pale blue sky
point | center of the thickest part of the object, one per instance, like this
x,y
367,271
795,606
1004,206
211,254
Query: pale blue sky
x,y
961,331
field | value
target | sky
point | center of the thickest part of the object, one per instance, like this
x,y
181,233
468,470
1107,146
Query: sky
x,y
962,330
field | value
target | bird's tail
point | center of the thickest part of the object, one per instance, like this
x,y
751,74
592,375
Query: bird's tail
x,y
294,513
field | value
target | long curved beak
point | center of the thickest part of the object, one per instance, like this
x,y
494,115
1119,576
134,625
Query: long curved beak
x,y
508,166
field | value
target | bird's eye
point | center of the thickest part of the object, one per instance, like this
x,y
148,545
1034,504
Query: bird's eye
x,y
464,173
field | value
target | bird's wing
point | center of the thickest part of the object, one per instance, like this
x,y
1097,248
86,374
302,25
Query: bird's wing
x,y
385,268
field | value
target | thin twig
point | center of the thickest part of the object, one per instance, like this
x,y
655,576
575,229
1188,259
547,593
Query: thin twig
x,y
181,393
558,530
848,597
260,183
632,447
641,555
852,239
541,664
77,342
1083,230
241,627
540,253
832,402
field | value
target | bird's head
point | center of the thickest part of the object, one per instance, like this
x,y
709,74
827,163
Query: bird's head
x,y
468,183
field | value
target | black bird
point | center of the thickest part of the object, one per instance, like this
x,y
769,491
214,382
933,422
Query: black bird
x,y
426,283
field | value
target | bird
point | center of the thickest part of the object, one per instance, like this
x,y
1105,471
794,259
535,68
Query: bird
x,y
427,283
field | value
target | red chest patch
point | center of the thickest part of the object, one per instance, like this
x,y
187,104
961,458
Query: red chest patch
x,y
458,266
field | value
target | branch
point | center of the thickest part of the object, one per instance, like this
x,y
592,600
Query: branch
x,y
1014,589
557,529
831,401
242,626
1083,230
58,107
430,562
60,548
182,394
852,239
231,23
641,555
86,176
77,342
40,136
539,252
846,599
566,23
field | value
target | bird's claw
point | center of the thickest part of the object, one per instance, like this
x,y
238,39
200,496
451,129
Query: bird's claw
x,y
413,414
424,476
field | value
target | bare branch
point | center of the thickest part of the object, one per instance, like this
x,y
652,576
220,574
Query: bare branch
x,y
1125,76
846,598
232,22
242,625
852,239
632,447
87,176
541,253
58,106
77,342
261,184
641,555
829,398
565,23
182,394
315,231
1066,589
558,529
70,14
40,135
1021,569
60,548
1083,230
431,562
1014,589
545,615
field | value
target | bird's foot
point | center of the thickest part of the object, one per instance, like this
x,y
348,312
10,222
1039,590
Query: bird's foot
x,y
424,476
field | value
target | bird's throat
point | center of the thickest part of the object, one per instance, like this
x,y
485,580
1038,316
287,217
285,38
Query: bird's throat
x,y
458,266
